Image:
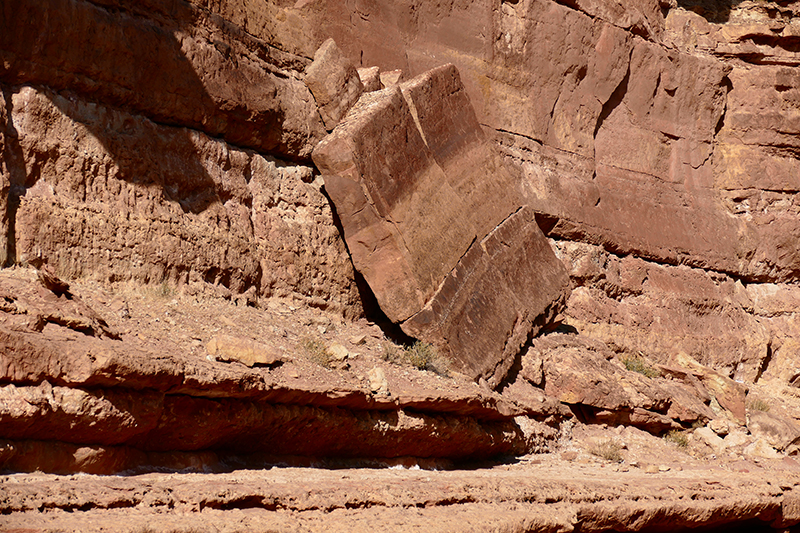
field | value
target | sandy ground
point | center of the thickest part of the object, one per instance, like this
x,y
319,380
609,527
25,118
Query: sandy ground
x,y
536,493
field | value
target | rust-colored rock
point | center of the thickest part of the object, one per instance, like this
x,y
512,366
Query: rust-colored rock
x,y
33,306
371,78
245,351
779,431
5,182
158,204
660,310
102,405
580,372
334,82
435,222
175,65
728,393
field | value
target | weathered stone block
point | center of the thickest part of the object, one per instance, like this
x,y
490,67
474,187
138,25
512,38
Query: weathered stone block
x,y
436,224
334,82
371,79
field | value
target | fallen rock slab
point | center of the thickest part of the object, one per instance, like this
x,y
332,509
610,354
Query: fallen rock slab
x,y
245,351
729,394
437,224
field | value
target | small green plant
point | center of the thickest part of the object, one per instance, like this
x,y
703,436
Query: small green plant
x,y
608,449
758,405
420,355
636,363
162,291
316,352
677,437
424,356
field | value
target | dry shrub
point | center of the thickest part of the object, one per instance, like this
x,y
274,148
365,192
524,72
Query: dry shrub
x,y
677,437
608,449
636,363
420,355
758,405
316,352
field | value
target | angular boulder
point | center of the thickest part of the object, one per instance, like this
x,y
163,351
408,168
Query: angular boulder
x,y
579,371
371,79
778,431
248,352
438,226
334,82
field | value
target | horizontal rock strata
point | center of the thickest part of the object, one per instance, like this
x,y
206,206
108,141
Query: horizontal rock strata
x,y
558,497
77,396
101,193
178,65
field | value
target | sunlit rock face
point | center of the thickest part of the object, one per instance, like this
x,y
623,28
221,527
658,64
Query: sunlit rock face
x,y
436,223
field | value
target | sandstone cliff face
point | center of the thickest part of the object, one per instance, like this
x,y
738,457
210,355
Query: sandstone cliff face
x,y
170,142
123,174
658,131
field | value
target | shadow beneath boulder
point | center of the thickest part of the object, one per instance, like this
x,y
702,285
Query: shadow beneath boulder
x,y
717,11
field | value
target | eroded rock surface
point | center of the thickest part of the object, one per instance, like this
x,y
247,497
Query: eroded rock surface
x,y
177,65
435,222
169,143
76,398
115,196
548,495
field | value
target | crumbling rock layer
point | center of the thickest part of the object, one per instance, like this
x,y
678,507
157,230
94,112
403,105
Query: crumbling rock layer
x,y
79,395
557,497
115,196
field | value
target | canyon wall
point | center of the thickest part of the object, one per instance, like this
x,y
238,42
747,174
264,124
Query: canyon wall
x,y
656,134
654,143
163,144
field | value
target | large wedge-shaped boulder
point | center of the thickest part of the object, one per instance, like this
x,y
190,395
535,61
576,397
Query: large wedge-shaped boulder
x,y
437,223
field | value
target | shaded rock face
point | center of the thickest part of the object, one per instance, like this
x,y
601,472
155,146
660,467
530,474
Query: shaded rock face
x,y
172,63
118,197
160,143
434,220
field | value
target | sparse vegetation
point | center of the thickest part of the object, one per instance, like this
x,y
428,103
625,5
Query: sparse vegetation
x,y
758,405
316,352
162,291
677,437
420,355
637,363
608,449
392,353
